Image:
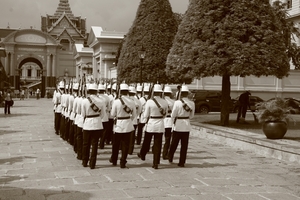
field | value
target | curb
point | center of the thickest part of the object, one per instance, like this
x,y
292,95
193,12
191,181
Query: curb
x,y
283,149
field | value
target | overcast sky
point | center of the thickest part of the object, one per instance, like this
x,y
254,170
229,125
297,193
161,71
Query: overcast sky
x,y
111,15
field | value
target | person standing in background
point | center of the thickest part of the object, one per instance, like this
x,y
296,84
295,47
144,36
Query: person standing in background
x,y
244,104
7,99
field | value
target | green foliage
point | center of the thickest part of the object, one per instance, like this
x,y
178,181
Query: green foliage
x,y
154,28
236,38
273,110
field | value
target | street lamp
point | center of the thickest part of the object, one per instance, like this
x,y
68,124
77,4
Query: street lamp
x,y
142,54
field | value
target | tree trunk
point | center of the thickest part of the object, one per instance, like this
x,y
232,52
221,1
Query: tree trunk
x,y
225,100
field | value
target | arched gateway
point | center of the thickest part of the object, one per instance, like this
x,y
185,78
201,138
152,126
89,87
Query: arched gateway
x,y
31,59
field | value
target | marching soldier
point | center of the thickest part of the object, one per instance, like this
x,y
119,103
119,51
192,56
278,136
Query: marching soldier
x,y
110,127
142,119
63,115
183,111
132,95
93,111
79,122
105,120
168,121
67,114
72,114
123,110
58,107
155,111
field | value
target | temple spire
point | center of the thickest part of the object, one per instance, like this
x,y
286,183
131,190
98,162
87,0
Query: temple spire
x,y
64,7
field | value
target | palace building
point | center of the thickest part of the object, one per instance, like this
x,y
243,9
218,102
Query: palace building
x,y
62,49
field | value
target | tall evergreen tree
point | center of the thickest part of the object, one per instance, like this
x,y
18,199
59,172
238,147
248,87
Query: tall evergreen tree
x,y
230,38
153,29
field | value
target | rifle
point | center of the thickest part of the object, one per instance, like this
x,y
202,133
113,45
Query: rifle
x,y
83,86
79,87
72,86
151,91
177,98
162,94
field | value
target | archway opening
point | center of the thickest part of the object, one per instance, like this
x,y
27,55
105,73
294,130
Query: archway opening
x,y
30,76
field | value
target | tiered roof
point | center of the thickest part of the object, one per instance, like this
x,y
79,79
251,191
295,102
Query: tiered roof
x,y
64,7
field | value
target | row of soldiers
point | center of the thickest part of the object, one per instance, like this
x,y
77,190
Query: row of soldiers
x,y
122,116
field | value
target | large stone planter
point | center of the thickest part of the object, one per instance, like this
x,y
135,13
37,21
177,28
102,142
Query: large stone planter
x,y
274,130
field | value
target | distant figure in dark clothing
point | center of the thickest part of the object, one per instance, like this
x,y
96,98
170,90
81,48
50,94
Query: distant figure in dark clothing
x,y
244,104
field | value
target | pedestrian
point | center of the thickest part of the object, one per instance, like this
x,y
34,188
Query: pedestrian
x,y
155,112
93,110
244,104
132,95
38,93
183,111
8,101
123,110
22,94
168,121
111,92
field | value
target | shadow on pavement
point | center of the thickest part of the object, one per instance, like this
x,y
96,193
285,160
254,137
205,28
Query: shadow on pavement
x,y
3,132
49,194
14,160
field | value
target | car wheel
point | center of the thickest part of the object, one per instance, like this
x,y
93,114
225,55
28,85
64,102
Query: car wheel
x,y
203,110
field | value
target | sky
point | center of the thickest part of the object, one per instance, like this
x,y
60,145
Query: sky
x,y
111,15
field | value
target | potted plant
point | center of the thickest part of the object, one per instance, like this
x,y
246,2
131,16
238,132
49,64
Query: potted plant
x,y
274,116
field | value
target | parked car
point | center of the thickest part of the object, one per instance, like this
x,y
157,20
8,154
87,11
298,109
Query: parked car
x,y
207,101
253,101
293,103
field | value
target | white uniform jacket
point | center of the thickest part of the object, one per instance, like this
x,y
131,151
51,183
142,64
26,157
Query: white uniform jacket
x,y
63,104
168,120
138,108
74,109
79,118
53,99
181,116
93,119
142,118
70,107
112,99
123,123
57,102
155,118
106,101
67,114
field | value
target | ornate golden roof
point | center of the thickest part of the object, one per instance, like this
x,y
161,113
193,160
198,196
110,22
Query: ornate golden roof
x,y
64,7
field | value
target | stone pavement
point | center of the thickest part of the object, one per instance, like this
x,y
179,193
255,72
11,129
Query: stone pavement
x,y
36,164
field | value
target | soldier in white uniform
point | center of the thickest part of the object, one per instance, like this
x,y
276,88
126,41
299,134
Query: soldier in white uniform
x,y
58,107
110,127
155,110
105,120
72,113
93,110
123,110
67,114
63,115
132,95
142,119
183,111
168,121
79,119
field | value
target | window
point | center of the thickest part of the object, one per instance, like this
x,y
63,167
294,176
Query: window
x,y
289,4
29,72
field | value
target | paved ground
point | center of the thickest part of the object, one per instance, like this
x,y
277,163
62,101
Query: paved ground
x,y
36,164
